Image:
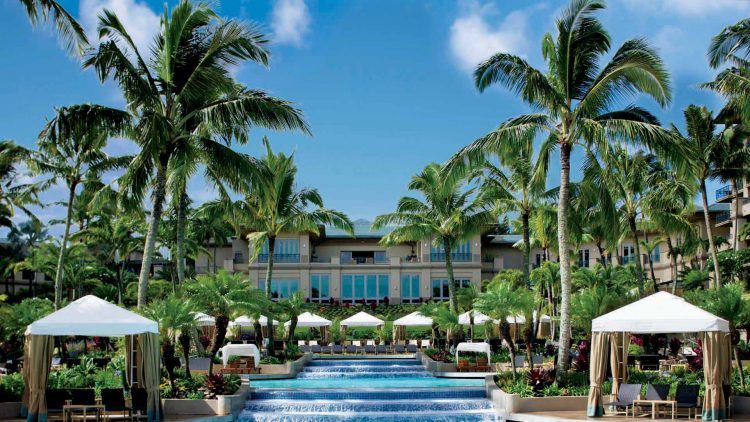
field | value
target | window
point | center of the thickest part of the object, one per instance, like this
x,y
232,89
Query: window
x,y
319,287
410,288
280,288
370,287
364,257
628,254
538,261
285,251
583,258
440,287
239,257
460,253
656,254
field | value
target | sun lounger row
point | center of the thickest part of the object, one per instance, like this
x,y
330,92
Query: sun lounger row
x,y
628,396
380,349
241,366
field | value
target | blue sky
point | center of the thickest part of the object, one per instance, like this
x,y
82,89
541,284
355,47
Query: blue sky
x,y
385,85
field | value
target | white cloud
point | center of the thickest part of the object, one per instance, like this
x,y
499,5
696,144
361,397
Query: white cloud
x,y
290,21
474,37
138,19
688,8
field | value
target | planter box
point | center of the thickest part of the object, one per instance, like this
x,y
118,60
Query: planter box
x,y
10,410
741,405
222,405
513,403
435,366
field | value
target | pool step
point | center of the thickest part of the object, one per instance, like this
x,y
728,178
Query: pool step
x,y
414,394
338,406
364,362
363,368
464,416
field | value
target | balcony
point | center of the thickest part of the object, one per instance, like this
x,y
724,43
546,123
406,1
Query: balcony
x,y
723,192
455,257
376,260
279,258
723,217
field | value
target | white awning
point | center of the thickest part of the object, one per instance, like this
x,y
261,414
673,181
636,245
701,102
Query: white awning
x,y
203,320
661,312
362,319
479,318
310,320
239,350
414,319
480,347
246,321
91,316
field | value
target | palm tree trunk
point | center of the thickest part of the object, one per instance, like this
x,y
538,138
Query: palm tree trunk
x,y
63,247
181,238
526,247
153,227
736,219
564,258
716,282
222,321
505,335
672,264
185,344
451,280
269,277
292,328
638,263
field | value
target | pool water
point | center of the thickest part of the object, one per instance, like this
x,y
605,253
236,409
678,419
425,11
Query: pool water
x,y
367,390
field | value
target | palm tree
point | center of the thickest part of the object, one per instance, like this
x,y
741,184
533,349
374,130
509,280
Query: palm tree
x,y
449,214
71,150
174,315
292,307
543,225
573,97
71,32
275,205
211,227
12,194
518,185
500,301
704,152
186,98
545,280
466,297
732,166
222,296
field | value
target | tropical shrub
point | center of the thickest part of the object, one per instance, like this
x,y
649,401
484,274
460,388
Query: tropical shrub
x,y
11,387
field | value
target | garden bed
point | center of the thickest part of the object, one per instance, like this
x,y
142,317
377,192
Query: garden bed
x,y
221,405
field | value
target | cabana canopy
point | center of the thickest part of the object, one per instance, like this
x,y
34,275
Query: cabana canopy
x,y
203,320
659,313
310,320
414,319
91,316
479,318
474,347
362,319
246,321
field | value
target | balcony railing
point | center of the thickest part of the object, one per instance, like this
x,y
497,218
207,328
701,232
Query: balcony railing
x,y
455,257
281,258
723,192
364,260
722,217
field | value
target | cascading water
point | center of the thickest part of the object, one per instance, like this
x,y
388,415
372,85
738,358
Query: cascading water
x,y
362,390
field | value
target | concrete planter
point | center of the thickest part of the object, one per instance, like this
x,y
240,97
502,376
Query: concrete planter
x,y
222,405
741,404
10,410
513,403
435,366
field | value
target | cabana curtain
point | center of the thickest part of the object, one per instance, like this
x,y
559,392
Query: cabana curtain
x,y
36,368
149,348
618,359
597,372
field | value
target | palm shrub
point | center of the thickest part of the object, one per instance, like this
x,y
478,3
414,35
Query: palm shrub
x,y
291,308
574,97
175,315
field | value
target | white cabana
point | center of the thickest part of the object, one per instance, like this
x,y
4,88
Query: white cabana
x,y
362,319
479,318
481,347
239,350
308,319
91,316
414,319
660,313
246,321
203,320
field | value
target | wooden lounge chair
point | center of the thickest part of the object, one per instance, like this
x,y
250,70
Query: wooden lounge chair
x,y
351,349
314,348
370,348
686,397
399,348
411,348
381,349
337,349
625,397
326,350
483,365
250,367
113,400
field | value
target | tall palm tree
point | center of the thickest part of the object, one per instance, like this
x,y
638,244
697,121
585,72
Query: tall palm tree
x,y
222,296
543,225
176,316
450,213
189,106
500,301
276,205
71,150
704,153
14,195
518,184
71,32
733,166
574,96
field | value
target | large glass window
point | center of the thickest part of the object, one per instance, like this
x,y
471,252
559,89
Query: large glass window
x,y
319,287
370,287
280,288
656,254
285,251
583,258
440,287
460,253
410,288
628,254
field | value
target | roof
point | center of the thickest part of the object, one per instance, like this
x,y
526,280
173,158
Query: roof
x,y
715,207
310,320
504,239
362,230
479,318
362,319
246,321
92,316
414,319
659,313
